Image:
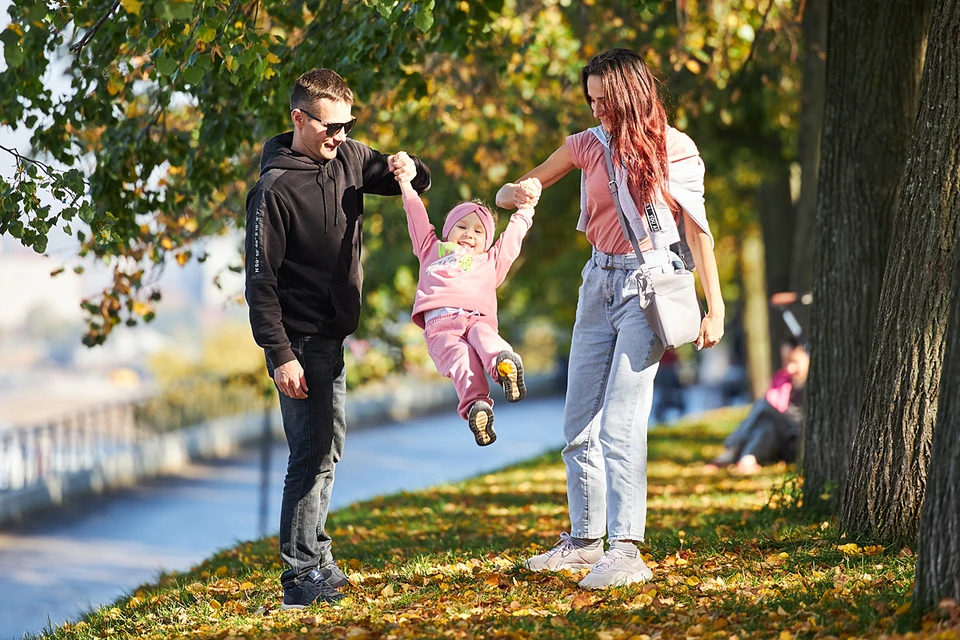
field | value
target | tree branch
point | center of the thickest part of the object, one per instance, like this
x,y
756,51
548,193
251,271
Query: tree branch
x,y
46,168
753,49
88,36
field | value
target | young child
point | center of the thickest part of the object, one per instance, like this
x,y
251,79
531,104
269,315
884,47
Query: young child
x,y
456,301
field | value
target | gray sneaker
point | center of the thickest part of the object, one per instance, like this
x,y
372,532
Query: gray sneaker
x,y
615,568
566,555
334,577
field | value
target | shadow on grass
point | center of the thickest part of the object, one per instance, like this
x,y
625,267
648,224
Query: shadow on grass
x,y
447,563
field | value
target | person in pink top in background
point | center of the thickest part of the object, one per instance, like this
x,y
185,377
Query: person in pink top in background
x,y
456,300
772,430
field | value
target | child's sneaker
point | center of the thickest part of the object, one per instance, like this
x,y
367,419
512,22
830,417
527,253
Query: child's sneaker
x,y
621,565
480,419
510,376
567,555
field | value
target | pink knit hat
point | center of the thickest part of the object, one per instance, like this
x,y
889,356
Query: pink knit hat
x,y
464,209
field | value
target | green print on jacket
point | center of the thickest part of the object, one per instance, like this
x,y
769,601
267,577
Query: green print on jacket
x,y
445,248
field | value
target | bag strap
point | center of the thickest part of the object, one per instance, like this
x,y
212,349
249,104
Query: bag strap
x,y
624,225
615,192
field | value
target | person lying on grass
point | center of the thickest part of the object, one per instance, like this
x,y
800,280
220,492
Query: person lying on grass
x,y
456,300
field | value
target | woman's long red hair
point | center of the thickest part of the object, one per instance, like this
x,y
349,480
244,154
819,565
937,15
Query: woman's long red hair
x,y
637,120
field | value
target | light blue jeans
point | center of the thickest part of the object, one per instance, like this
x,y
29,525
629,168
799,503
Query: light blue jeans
x,y
614,357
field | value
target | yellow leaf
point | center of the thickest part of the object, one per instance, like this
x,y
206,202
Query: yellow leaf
x,y
851,548
134,601
141,309
269,73
15,28
693,66
215,604
232,63
786,635
182,258
167,244
272,59
902,609
132,6
246,585
387,591
221,571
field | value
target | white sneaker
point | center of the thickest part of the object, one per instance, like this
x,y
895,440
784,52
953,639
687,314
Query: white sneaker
x,y
566,555
615,569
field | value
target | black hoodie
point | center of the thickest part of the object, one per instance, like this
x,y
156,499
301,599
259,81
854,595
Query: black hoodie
x,y
304,219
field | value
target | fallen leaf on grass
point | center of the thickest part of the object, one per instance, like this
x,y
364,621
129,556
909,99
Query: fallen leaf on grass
x,y
581,601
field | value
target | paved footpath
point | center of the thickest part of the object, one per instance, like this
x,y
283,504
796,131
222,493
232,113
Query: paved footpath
x,y
88,555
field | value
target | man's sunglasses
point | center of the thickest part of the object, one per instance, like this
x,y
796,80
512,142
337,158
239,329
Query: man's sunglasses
x,y
333,128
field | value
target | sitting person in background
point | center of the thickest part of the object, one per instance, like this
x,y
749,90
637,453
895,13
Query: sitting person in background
x,y
772,430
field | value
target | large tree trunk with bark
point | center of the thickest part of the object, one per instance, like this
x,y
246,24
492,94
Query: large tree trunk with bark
x,y
938,556
891,448
874,59
812,96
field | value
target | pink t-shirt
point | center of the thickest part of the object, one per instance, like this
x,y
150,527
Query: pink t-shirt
x,y
603,228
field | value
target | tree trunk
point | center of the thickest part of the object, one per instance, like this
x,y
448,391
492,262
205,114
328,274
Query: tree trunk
x,y
938,553
891,449
812,97
938,556
868,119
778,217
756,322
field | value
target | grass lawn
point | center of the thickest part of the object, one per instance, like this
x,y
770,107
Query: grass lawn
x,y
447,563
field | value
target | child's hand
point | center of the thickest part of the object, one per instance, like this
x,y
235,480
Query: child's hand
x,y
527,193
402,166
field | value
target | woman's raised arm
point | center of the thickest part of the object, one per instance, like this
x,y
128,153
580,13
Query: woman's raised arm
x,y
552,169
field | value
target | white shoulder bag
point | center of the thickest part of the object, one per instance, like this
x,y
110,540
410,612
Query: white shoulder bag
x,y
668,300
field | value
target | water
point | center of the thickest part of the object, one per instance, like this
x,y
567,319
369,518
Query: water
x,y
54,568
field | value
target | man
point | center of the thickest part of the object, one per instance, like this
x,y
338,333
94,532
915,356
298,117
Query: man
x,y
303,283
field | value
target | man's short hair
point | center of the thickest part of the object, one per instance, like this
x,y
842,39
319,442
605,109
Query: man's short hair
x,y
316,85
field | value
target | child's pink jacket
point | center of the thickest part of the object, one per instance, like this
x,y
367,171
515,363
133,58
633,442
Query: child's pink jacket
x,y
449,277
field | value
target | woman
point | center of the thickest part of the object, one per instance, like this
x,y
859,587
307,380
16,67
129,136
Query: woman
x,y
614,353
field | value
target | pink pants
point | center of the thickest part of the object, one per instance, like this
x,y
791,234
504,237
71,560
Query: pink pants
x,y
462,348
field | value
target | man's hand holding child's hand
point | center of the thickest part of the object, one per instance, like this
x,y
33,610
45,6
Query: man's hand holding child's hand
x,y
403,167
527,193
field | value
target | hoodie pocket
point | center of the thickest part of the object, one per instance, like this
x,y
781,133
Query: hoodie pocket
x,y
345,310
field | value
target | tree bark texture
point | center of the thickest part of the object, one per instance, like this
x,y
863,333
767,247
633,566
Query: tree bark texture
x,y
874,60
938,555
891,447
812,97
778,216
756,323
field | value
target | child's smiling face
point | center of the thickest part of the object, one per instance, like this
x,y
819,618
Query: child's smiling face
x,y
469,234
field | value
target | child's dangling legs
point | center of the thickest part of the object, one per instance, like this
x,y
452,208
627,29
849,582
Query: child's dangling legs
x,y
457,360
498,357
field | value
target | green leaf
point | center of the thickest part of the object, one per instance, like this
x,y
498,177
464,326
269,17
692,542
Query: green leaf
x,y
13,54
193,75
181,10
166,66
206,34
424,20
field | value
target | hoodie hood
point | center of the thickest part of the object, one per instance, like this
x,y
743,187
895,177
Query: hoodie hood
x,y
278,153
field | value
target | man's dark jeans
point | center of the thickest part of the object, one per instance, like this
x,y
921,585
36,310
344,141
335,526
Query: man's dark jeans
x,y
315,428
